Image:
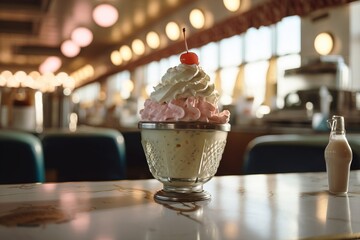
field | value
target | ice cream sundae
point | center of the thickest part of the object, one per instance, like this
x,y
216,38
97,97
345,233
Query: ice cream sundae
x,y
183,131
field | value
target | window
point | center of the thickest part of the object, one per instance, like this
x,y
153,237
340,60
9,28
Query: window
x,y
284,63
228,77
152,76
258,44
288,36
230,51
209,57
174,60
118,84
255,77
230,57
88,93
164,65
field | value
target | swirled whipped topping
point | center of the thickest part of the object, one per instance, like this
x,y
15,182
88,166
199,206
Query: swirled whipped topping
x,y
185,93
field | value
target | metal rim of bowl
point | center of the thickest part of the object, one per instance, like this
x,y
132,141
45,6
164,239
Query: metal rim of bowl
x,y
184,125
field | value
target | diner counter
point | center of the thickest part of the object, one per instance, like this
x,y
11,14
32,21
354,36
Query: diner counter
x,y
278,206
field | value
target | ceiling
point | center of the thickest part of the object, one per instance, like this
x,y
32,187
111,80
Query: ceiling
x,y
32,30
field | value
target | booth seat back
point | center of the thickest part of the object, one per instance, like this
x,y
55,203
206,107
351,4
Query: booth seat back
x,y
137,167
292,153
93,154
21,158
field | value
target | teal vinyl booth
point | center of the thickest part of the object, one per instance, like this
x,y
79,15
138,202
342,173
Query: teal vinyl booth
x,y
21,158
292,153
89,154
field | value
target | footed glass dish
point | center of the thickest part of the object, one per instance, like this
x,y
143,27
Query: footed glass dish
x,y
183,156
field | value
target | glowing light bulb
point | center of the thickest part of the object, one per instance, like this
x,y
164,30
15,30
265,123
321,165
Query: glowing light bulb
x,y
153,40
70,49
138,47
232,5
126,53
172,31
197,18
82,36
324,43
105,15
116,58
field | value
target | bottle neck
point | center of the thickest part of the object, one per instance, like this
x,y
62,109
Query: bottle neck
x,y
337,134
337,125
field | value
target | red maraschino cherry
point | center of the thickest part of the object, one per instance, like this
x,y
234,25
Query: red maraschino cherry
x,y
188,57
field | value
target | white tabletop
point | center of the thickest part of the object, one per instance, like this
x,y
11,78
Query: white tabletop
x,y
282,206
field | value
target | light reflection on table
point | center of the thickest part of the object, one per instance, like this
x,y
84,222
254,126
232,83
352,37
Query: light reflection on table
x,y
280,206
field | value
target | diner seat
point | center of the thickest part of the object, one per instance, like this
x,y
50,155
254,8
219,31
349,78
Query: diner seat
x,y
90,154
292,153
136,165
21,158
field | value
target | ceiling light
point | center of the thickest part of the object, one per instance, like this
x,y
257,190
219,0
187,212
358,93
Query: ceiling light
x,y
81,76
65,80
4,77
197,18
69,48
138,47
82,36
139,17
232,5
50,65
153,40
324,43
6,74
125,52
35,75
20,76
68,85
153,8
105,15
12,82
60,78
172,31
172,2
115,58
29,82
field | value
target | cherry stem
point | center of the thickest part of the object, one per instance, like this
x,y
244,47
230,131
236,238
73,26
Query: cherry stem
x,y
186,46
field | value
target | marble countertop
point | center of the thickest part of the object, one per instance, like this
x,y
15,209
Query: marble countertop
x,y
278,206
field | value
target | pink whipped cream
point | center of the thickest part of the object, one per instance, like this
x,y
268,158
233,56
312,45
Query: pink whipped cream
x,y
185,109
184,94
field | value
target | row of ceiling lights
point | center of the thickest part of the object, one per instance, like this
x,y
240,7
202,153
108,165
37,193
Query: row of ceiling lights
x,y
152,39
172,31
106,15
47,82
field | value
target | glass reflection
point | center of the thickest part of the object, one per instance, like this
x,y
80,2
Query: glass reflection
x,y
338,215
192,222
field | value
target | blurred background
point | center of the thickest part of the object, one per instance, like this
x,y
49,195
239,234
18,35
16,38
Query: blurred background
x,y
64,63
280,66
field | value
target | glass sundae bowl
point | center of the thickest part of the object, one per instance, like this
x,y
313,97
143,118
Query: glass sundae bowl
x,y
183,156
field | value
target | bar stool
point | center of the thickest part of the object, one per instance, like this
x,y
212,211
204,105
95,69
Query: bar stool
x,y
91,154
21,158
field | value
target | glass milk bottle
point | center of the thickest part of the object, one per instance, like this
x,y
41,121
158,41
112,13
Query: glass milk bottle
x,y
338,156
